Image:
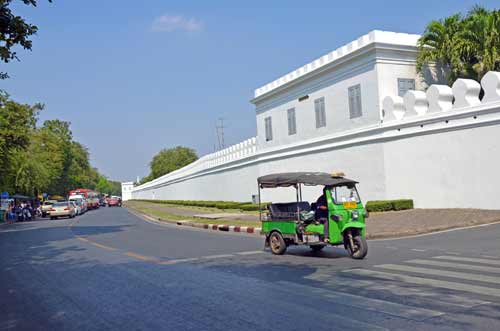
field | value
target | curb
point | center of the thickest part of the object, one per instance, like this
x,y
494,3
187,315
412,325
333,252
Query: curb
x,y
213,227
222,227
6,224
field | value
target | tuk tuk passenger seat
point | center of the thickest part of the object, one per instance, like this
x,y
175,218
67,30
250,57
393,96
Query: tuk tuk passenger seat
x,y
288,210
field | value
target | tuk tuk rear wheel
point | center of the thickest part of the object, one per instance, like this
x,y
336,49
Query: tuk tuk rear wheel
x,y
360,248
277,243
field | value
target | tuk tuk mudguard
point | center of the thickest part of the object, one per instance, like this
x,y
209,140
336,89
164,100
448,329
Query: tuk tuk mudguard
x,y
358,225
288,237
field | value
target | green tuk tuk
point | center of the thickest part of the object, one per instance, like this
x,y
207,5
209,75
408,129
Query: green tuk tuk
x,y
337,218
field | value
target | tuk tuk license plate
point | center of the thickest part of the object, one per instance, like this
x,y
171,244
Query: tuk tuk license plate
x,y
350,205
311,238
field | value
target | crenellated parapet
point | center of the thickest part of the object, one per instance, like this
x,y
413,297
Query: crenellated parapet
x,y
375,37
442,98
226,156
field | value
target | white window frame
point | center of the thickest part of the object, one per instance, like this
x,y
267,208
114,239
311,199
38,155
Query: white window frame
x,y
355,105
268,123
320,112
292,121
405,85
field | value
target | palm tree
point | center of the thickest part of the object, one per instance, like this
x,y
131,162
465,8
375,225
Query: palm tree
x,y
438,45
479,41
468,46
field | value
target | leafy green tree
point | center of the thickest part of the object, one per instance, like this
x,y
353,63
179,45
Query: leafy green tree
x,y
39,165
80,173
61,133
14,30
115,188
168,160
468,46
43,159
107,186
17,124
103,185
146,179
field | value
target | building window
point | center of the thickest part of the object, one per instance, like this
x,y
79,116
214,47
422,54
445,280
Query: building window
x,y
292,124
405,85
319,109
269,128
355,109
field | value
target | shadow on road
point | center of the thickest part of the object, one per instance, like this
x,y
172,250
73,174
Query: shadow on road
x,y
49,280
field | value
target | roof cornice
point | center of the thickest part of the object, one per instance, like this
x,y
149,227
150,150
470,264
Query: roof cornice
x,y
367,42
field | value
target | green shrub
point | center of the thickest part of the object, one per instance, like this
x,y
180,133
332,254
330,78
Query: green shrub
x,y
227,205
387,205
249,207
374,206
402,204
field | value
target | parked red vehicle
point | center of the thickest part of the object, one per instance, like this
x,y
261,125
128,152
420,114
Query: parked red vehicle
x,y
114,202
92,197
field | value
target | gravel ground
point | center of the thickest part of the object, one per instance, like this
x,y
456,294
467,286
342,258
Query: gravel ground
x,y
418,221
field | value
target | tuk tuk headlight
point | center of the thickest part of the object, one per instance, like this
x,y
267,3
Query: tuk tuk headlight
x,y
355,214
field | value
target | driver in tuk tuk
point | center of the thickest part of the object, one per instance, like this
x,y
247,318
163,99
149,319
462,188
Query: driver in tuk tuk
x,y
321,214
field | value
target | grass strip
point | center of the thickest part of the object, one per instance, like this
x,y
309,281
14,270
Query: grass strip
x,y
166,216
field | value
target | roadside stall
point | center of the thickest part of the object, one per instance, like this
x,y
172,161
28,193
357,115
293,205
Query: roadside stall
x,y
24,207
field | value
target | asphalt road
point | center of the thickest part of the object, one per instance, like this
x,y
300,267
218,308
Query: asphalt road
x,y
109,269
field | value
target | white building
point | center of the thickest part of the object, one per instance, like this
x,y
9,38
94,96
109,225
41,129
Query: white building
x,y
364,110
339,91
127,188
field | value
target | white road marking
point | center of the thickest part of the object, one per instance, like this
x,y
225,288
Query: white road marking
x,y
208,257
456,265
405,290
220,256
490,257
443,273
427,281
179,260
250,253
362,302
418,250
436,232
468,259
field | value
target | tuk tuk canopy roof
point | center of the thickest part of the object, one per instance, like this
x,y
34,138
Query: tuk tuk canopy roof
x,y
307,178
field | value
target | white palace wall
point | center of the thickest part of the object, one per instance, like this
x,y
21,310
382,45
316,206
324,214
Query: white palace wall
x,y
440,148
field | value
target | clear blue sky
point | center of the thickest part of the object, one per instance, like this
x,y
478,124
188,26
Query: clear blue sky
x,y
134,77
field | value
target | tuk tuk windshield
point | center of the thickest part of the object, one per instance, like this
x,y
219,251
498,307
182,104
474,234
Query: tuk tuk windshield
x,y
346,193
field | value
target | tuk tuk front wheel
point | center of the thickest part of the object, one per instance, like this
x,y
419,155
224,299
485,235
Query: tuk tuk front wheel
x,y
277,243
360,248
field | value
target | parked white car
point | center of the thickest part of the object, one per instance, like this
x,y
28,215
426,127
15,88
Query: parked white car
x,y
76,207
81,204
62,209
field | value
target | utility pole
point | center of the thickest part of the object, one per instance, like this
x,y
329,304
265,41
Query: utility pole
x,y
220,133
